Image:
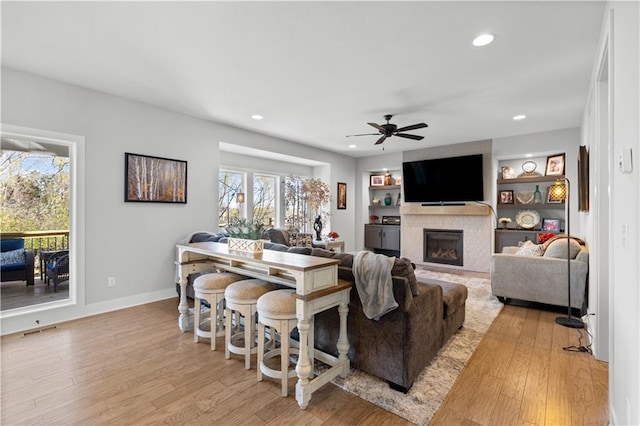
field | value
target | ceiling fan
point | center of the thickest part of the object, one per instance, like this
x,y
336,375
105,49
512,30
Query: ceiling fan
x,y
388,130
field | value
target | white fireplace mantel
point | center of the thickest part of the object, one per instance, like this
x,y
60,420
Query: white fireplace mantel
x,y
466,210
475,220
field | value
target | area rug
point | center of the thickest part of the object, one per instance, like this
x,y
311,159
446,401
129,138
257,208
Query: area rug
x,y
434,383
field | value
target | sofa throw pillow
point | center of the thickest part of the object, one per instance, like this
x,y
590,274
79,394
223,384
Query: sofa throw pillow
x,y
402,267
558,249
529,248
300,250
12,256
278,236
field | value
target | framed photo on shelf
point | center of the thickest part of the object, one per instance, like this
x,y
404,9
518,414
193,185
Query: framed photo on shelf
x,y
550,225
376,180
154,179
555,165
508,172
342,196
505,197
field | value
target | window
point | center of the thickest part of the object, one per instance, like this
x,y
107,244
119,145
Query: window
x,y
296,210
264,199
229,185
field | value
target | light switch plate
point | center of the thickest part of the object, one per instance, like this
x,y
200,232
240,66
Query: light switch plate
x,y
624,161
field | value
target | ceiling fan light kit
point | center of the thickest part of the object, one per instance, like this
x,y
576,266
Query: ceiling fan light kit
x,y
387,130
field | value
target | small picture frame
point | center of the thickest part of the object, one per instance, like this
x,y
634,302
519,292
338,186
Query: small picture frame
x,y
376,180
342,196
508,172
505,197
555,165
550,225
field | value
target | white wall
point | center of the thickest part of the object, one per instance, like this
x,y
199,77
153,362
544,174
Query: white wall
x,y
135,242
621,32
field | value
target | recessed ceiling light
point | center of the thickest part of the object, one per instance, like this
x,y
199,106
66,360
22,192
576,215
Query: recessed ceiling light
x,y
483,39
257,117
352,146
519,117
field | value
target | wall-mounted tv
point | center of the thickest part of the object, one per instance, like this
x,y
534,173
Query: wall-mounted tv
x,y
444,180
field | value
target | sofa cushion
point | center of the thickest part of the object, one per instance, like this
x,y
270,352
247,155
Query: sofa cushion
x,y
558,249
529,248
11,244
300,250
402,267
278,236
275,246
12,257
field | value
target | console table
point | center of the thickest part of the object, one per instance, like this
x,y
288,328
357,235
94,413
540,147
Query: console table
x,y
317,289
330,244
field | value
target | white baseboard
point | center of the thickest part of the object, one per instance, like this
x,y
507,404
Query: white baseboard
x,y
127,302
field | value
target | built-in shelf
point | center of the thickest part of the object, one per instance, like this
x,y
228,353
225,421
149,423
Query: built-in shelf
x,y
532,206
384,187
531,179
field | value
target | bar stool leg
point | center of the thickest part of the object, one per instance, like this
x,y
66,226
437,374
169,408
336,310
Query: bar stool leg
x,y
196,318
261,335
284,358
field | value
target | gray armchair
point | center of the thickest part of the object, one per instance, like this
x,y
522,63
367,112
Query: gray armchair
x,y
57,268
541,278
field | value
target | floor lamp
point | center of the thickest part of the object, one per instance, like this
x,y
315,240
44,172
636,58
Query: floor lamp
x,y
557,192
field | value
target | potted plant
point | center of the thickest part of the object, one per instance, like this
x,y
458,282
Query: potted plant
x,y
245,235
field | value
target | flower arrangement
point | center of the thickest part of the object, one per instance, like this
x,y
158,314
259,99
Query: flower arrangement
x,y
245,228
333,234
504,221
544,237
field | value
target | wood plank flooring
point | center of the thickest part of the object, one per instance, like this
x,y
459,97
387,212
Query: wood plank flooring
x,y
16,294
133,367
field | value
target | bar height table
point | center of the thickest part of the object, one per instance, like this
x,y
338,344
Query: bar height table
x,y
317,289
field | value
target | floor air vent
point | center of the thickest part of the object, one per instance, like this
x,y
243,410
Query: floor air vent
x,y
40,330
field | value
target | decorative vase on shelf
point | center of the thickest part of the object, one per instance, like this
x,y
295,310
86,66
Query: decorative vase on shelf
x,y
387,199
537,196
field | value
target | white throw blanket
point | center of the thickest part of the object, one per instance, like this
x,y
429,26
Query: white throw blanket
x,y
374,283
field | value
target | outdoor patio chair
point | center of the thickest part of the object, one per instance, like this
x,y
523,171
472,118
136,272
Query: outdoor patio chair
x,y
57,268
17,263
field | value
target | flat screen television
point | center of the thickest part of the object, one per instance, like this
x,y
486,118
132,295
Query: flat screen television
x,y
444,180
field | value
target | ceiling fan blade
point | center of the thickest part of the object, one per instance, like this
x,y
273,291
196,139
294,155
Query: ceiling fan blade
x,y
379,141
379,127
364,134
414,137
412,127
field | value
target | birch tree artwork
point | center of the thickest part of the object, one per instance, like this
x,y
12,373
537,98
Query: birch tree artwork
x,y
155,179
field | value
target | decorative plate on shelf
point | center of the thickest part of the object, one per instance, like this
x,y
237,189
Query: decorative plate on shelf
x,y
527,219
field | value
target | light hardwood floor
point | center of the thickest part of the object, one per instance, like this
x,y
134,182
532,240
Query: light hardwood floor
x,y
16,294
134,367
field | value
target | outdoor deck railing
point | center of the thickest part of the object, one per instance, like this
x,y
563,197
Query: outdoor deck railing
x,y
40,241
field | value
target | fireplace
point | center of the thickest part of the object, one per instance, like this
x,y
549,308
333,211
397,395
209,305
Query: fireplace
x,y
443,246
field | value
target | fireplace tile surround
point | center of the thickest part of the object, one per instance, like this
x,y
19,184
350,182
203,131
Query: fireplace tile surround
x,y
474,220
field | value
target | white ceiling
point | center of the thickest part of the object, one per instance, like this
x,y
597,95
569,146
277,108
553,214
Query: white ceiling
x,y
318,71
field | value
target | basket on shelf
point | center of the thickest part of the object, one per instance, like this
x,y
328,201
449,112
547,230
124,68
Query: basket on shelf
x,y
245,245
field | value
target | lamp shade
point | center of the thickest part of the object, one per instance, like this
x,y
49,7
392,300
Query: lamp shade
x,y
558,191
240,197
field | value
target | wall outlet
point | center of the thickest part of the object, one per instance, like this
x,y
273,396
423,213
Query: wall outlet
x,y
111,282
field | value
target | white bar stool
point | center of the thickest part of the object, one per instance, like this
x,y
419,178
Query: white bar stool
x,y
277,310
211,287
241,297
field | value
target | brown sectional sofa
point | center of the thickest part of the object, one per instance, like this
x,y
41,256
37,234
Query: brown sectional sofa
x,y
403,342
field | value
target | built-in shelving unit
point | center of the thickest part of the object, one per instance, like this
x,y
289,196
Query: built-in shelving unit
x,y
518,198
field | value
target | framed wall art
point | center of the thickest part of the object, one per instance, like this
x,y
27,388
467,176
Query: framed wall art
x,y
342,196
508,172
583,179
154,179
376,180
505,197
555,165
